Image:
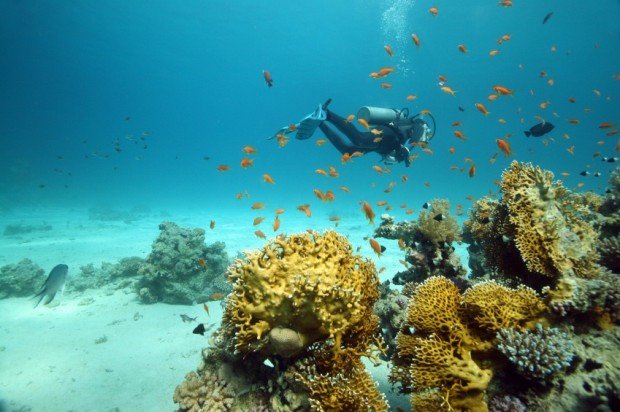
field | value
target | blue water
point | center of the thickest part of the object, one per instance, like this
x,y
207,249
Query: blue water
x,y
190,75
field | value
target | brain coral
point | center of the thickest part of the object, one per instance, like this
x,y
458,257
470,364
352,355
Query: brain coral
x,y
550,230
297,290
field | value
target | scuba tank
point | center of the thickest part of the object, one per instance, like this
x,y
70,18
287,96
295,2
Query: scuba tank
x,y
379,115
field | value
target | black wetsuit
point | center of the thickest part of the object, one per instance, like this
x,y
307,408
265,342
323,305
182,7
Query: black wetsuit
x,y
391,143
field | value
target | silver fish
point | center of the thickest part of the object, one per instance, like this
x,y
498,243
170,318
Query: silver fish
x,y
55,282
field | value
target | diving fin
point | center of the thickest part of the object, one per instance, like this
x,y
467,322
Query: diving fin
x,y
308,124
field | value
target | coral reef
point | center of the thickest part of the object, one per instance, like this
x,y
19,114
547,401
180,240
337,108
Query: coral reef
x,y
427,243
122,274
392,311
444,347
506,403
609,251
23,278
538,353
22,229
181,269
304,304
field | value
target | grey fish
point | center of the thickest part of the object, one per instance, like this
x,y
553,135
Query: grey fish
x,y
547,17
539,129
186,318
55,282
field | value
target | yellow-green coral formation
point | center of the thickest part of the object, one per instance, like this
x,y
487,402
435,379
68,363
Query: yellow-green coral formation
x,y
297,290
438,230
549,229
446,332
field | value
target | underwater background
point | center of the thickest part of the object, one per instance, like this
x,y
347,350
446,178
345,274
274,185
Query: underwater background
x,y
115,116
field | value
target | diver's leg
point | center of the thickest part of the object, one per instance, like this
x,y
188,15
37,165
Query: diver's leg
x,y
358,138
337,140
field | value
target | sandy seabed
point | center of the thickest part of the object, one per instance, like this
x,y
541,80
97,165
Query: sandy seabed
x,y
102,350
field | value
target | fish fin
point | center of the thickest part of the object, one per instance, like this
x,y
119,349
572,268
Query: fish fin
x,y
49,298
42,294
527,133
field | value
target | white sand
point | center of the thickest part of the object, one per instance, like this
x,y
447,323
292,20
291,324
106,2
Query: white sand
x,y
49,358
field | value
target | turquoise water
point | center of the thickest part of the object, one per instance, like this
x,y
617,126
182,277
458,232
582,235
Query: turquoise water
x,y
119,105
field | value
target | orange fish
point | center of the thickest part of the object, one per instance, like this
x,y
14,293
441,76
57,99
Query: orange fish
x,y
606,125
459,135
202,262
502,90
249,150
456,123
386,85
409,211
320,142
333,172
377,169
493,52
505,3
434,11
305,208
411,97
247,162
216,296
401,244
452,150
350,118
260,234
258,205
381,203
368,212
276,224
448,90
282,139
268,179
268,78
279,211
376,247
345,158
388,50
442,78
573,121
462,48
329,196
320,172
345,189
292,127
482,109
472,170
363,122
212,224
492,97
223,168
416,39
504,146
571,150
319,194
612,132
258,220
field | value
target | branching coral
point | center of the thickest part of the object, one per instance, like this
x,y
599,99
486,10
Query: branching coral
x,y
548,221
537,353
310,284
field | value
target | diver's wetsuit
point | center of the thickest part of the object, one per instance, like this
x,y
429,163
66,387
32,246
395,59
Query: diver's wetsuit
x,y
391,141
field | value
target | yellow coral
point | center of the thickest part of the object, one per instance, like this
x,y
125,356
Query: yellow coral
x,y
549,232
310,285
491,306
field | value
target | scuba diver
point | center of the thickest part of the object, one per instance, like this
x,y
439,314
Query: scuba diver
x,y
392,131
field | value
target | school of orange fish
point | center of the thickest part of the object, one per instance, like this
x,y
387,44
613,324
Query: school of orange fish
x,y
496,91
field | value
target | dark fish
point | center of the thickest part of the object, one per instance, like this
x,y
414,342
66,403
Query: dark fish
x,y
540,129
55,282
461,109
609,159
584,173
382,248
439,217
186,318
426,205
597,174
547,17
200,329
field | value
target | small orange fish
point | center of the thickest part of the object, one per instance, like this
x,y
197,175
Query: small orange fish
x,y
206,307
329,196
381,203
386,85
442,78
492,97
462,48
268,179
368,212
501,120
411,97
267,77
249,150
404,178
223,168
550,82
216,296
276,224
459,135
282,139
258,205
456,123
606,125
378,169
573,121
472,170
376,247
292,127
493,52
247,162
545,104
363,122
345,158
320,172
505,3
279,211
482,109
571,150
502,90
350,118
212,225
504,146
305,208
320,142
415,39
388,50
409,211
612,132
434,11
258,220
401,244
345,189
202,262
333,172
260,234
452,150
448,90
